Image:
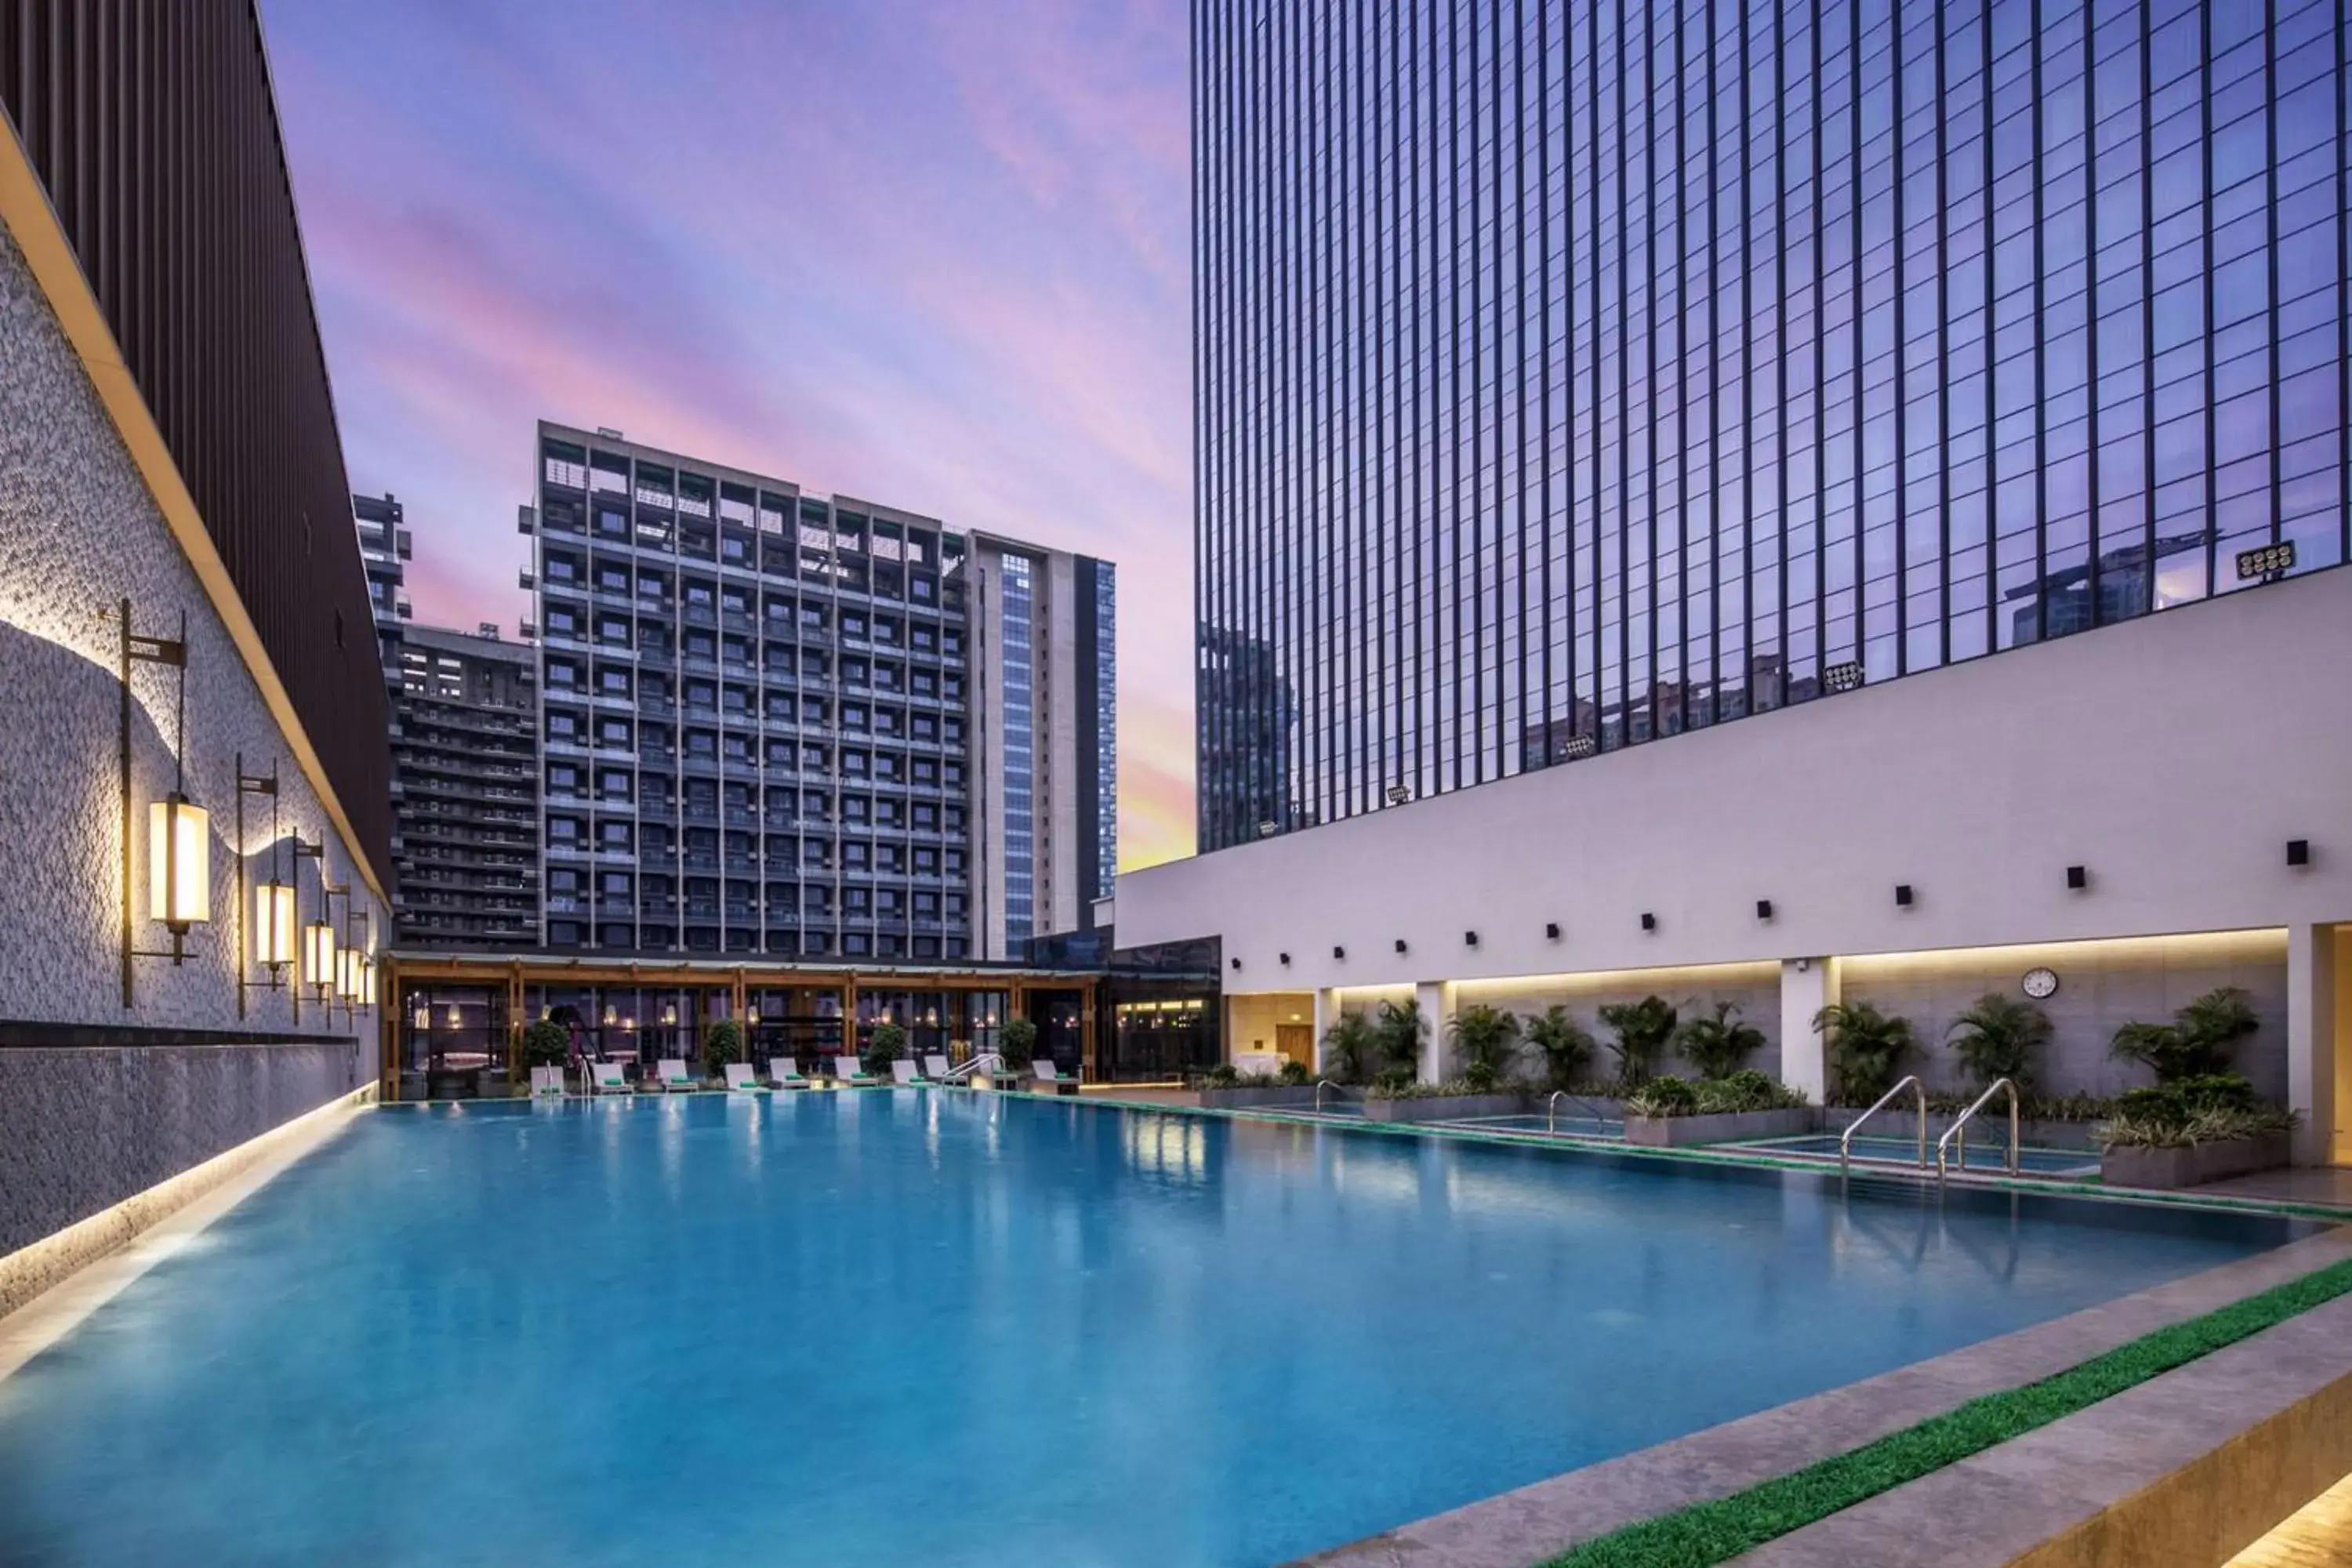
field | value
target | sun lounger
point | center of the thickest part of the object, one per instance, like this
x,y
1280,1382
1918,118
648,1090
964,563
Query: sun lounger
x,y
905,1074
675,1079
846,1070
785,1072
740,1078
936,1069
1047,1078
608,1078
546,1083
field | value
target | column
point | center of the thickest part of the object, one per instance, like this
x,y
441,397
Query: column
x,y
1327,1013
2311,1040
1807,985
1436,999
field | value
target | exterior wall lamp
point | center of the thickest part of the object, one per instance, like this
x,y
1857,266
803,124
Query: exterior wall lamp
x,y
1340,953
321,946
319,957
2078,878
1649,921
268,931
1469,939
1551,930
1400,944
1763,908
179,831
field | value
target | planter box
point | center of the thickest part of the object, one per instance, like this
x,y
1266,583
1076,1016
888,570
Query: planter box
x,y
1448,1108
1669,1131
1282,1096
2195,1165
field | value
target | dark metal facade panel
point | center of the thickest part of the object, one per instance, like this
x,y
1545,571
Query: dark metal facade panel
x,y
154,128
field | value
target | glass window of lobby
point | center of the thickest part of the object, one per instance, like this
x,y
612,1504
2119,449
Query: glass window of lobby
x,y
1570,375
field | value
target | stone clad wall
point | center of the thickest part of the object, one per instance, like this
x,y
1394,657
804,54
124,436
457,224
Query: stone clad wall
x,y
84,1125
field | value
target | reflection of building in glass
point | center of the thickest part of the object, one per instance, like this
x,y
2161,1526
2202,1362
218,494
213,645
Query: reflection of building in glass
x,y
1245,720
1798,341
2116,587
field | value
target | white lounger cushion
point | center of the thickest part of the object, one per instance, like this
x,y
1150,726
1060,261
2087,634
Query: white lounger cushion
x,y
739,1076
673,1072
546,1081
846,1067
936,1066
904,1072
611,1080
785,1070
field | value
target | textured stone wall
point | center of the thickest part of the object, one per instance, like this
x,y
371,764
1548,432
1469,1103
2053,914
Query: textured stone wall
x,y
82,1129
78,531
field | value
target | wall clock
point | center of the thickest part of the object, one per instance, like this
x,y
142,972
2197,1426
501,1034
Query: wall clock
x,y
2040,984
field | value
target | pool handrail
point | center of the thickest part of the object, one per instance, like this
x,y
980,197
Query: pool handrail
x,y
1323,1083
983,1060
1551,1108
1919,1092
1959,1127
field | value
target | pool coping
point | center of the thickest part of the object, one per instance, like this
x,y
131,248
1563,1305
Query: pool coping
x,y
1535,1523
62,1278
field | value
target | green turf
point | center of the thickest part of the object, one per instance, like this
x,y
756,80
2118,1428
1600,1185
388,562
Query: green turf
x,y
1711,1532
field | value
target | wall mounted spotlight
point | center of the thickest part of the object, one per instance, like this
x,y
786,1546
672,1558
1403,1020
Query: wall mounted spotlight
x,y
1903,895
1285,960
1400,944
1763,908
1649,922
1551,930
2078,878
1340,953
1237,964
1469,939
179,831
2298,851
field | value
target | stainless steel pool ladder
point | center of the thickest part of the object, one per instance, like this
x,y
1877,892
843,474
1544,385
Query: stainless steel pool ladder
x,y
1551,1108
1960,1129
1323,1083
989,1059
1918,1092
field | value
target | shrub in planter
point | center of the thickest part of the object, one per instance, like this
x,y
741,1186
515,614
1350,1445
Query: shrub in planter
x,y
1222,1075
2211,1108
722,1043
1017,1042
2000,1037
1867,1048
1489,1039
1294,1075
1395,1081
1643,1029
546,1043
886,1044
1744,1091
1352,1048
2198,1043
1663,1097
1567,1046
1718,1045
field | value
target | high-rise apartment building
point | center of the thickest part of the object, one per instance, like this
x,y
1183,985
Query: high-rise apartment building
x,y
764,712
1582,373
1045,723
465,756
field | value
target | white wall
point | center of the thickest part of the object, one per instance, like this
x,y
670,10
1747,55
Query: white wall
x,y
2174,756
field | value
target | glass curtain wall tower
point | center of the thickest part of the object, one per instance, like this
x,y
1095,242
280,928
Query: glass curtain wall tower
x,y
1573,374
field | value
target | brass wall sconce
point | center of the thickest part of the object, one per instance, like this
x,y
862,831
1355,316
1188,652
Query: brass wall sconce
x,y
179,831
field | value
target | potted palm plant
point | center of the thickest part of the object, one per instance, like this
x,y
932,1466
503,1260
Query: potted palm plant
x,y
1643,1030
722,1043
1488,1040
1567,1046
1999,1037
1867,1048
1717,1044
2198,1043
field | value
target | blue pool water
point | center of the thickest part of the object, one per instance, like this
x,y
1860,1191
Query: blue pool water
x,y
949,1328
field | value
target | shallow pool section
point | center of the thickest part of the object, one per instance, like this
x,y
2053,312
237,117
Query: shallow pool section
x,y
901,1327
1982,1154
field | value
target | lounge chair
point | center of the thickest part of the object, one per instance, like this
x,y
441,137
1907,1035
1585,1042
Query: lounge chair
x,y
1046,1078
936,1069
785,1072
675,1079
740,1078
848,1073
546,1083
608,1077
904,1075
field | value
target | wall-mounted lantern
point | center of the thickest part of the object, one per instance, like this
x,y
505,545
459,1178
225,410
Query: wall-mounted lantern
x,y
1551,930
269,938
179,831
1649,921
319,957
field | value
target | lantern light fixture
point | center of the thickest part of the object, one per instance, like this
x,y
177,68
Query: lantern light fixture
x,y
422,1018
453,1014
179,863
367,982
669,1015
273,925
179,831
318,956
611,1015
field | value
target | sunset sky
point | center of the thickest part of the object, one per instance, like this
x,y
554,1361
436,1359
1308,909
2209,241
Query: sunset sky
x,y
928,252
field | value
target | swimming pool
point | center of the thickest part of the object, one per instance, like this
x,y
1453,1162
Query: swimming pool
x,y
1983,1154
954,1328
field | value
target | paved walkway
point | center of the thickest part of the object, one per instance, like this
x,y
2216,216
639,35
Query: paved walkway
x,y
2320,1536
2329,1186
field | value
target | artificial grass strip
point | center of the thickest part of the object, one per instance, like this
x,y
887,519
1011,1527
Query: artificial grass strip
x,y
1711,1532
